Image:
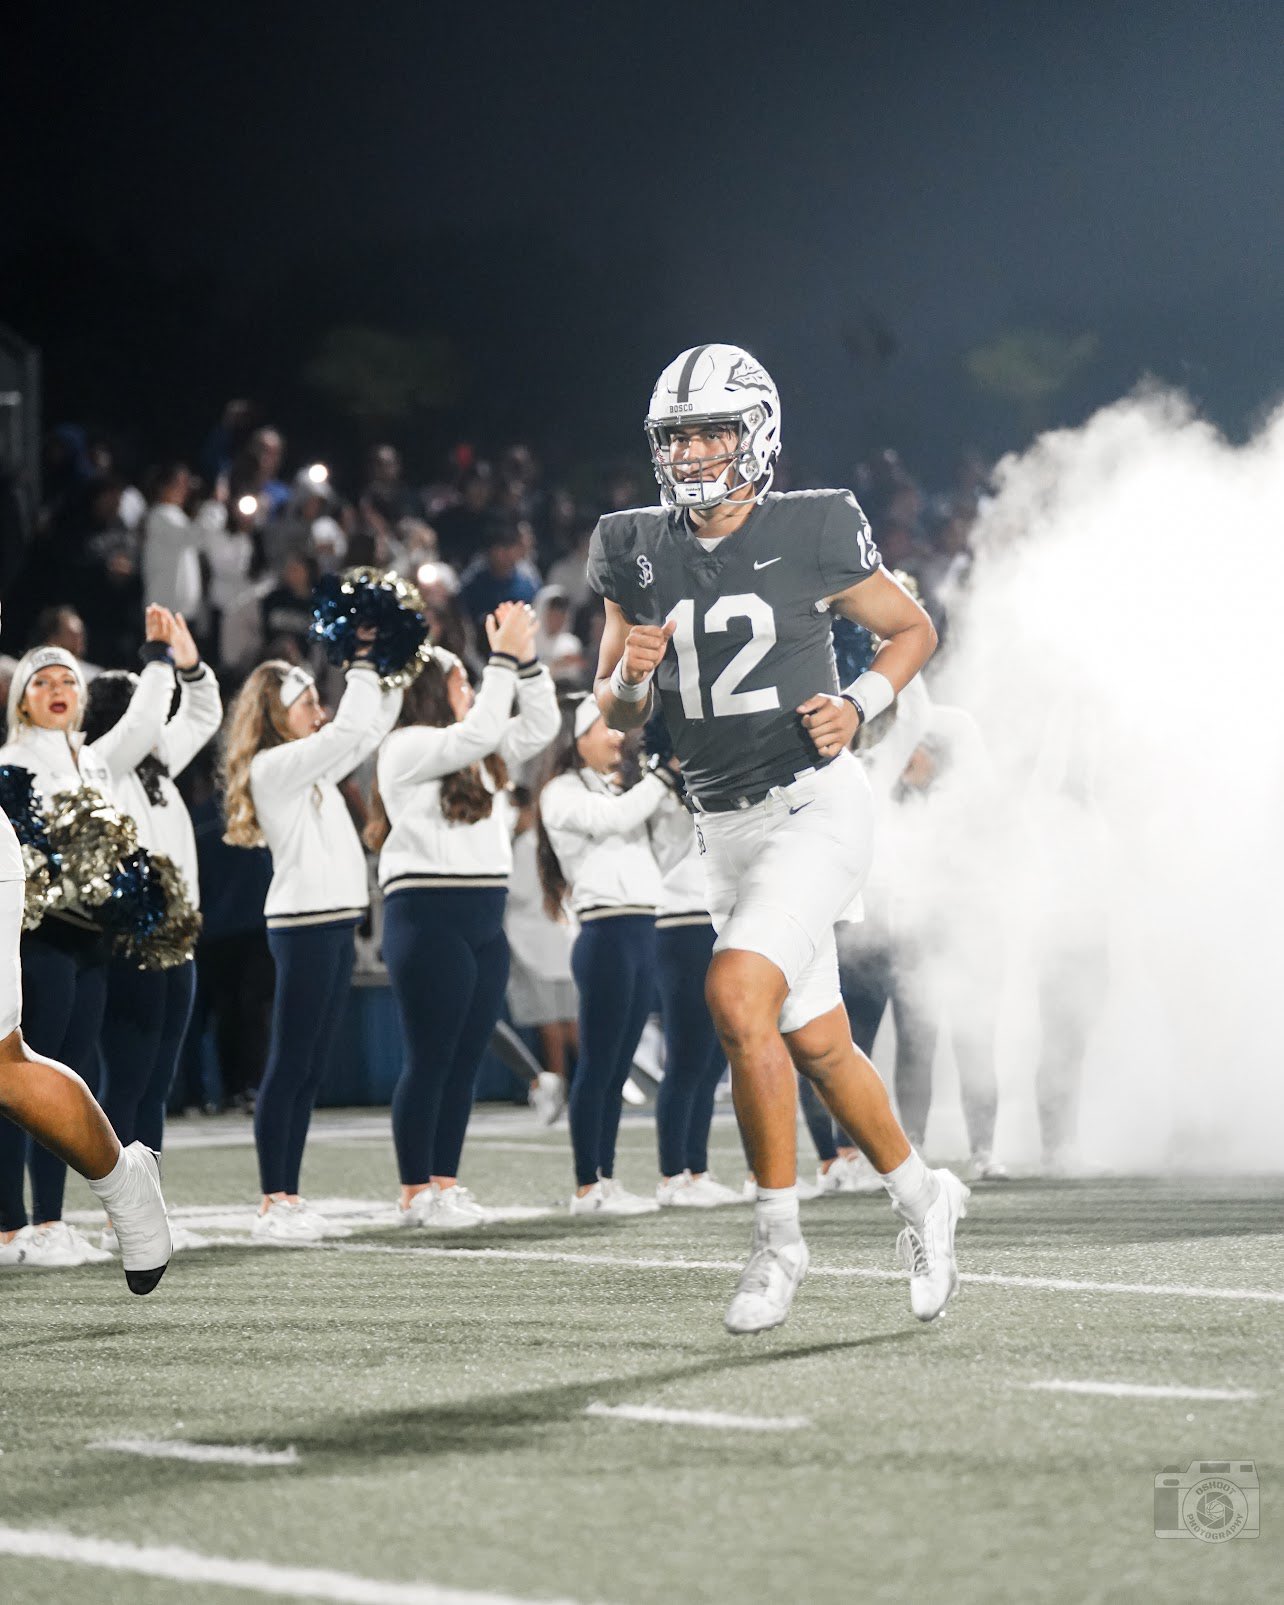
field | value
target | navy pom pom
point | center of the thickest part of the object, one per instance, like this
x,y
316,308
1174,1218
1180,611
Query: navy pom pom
x,y
136,905
367,598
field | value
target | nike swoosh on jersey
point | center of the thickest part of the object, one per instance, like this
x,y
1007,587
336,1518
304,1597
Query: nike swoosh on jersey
x,y
800,807
766,563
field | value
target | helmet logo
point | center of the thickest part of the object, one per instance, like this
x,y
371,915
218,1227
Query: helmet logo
x,y
746,374
645,572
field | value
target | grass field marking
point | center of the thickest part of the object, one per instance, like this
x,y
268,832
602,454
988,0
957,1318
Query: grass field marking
x,y
1047,1284
1140,1390
716,1419
204,1454
253,1576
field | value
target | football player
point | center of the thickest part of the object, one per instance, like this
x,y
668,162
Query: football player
x,y
54,1106
718,602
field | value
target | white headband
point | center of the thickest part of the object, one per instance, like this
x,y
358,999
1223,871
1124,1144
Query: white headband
x,y
295,683
586,716
46,657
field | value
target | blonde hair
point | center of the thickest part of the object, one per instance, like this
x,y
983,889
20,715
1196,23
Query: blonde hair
x,y
256,722
25,671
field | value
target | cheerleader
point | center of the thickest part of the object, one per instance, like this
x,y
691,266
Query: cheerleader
x,y
442,822
596,845
148,1010
693,1058
53,1105
64,960
282,767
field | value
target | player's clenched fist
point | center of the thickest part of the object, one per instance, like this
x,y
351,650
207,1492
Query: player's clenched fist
x,y
830,722
644,646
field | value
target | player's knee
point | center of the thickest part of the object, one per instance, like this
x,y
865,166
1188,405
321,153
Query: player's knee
x,y
823,1047
744,992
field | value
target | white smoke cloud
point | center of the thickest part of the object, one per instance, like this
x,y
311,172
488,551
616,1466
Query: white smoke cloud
x,y
1119,646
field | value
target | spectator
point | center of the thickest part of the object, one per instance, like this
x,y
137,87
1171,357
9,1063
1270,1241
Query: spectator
x,y
63,626
172,542
555,645
228,547
497,575
259,464
386,495
287,611
570,573
462,529
306,524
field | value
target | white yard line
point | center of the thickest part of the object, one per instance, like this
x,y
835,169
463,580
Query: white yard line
x,y
253,1576
1051,1284
202,1454
698,1418
1139,1390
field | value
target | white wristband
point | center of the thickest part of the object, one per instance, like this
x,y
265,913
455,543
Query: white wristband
x,y
872,693
621,688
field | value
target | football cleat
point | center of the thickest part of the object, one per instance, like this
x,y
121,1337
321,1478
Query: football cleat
x,y
767,1285
141,1225
927,1252
548,1097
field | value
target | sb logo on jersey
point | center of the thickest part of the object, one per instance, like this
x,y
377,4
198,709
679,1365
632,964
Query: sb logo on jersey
x,y
645,572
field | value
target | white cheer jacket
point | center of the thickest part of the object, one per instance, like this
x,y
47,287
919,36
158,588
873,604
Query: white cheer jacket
x,y
603,841
167,827
426,850
59,760
318,864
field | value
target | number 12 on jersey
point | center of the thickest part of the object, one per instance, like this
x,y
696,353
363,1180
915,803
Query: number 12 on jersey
x,y
724,698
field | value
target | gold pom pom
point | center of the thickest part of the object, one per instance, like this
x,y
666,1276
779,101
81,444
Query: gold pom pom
x,y
92,838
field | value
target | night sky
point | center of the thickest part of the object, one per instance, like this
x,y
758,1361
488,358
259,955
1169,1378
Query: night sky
x,y
565,196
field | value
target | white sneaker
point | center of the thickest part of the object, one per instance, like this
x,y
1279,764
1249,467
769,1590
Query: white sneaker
x,y
828,1181
807,1190
633,1094
928,1254
589,1203
140,1225
709,1193
617,1200
11,1252
455,1209
670,1189
283,1222
857,1175
767,1285
321,1224
58,1245
749,1191
985,1167
548,1097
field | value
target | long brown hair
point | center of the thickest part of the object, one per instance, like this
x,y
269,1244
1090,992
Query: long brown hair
x,y
256,722
465,796
566,757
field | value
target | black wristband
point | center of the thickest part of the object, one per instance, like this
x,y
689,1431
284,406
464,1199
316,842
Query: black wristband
x,y
530,667
848,697
154,652
194,672
502,660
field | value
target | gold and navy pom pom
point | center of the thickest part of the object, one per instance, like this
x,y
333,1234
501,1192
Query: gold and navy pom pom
x,y
93,841
369,598
171,940
20,801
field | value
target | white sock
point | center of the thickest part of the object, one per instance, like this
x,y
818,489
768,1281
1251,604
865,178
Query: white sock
x,y
775,1215
113,1185
913,1188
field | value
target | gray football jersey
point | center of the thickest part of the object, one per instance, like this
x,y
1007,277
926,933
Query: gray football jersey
x,y
752,641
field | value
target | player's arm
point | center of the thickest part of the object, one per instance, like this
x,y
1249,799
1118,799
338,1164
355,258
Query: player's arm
x,y
886,608
628,657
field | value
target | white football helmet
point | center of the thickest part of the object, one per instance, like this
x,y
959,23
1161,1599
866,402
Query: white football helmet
x,y
715,384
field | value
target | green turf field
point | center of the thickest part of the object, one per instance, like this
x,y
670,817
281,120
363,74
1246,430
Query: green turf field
x,y
436,1394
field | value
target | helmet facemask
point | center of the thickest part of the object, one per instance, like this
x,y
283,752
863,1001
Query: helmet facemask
x,y
700,481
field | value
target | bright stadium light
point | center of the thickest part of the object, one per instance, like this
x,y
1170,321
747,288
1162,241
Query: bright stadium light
x,y
318,474
247,506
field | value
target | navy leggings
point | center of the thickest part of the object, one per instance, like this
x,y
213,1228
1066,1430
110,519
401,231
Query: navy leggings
x,y
313,972
143,1030
447,959
613,962
693,1056
64,989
